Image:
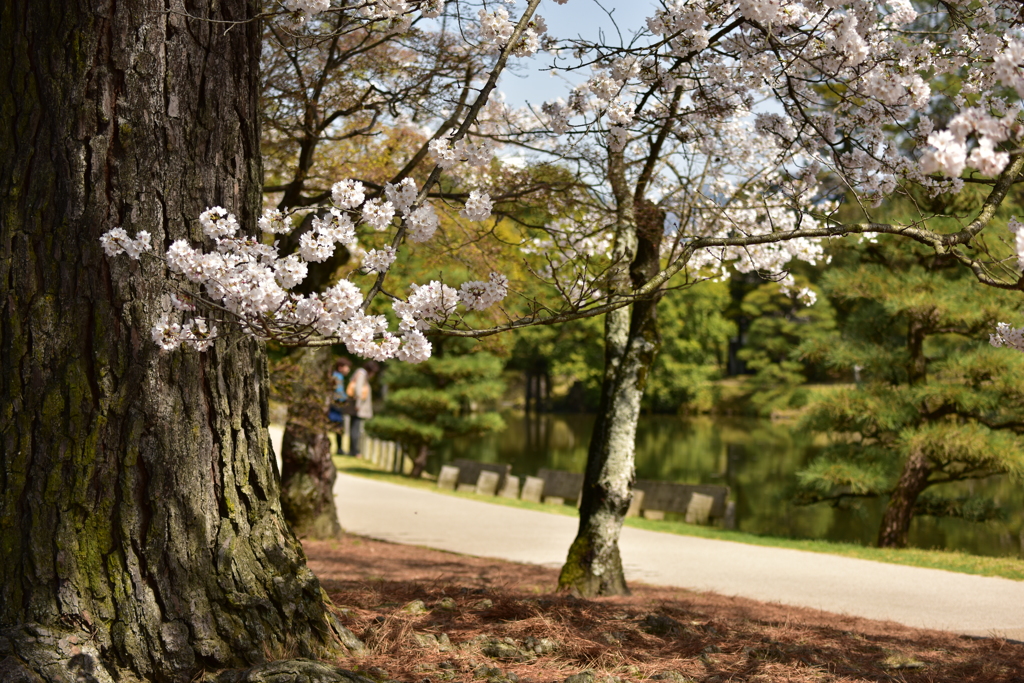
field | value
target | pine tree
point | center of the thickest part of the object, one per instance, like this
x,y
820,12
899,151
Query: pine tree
x,y
437,400
939,404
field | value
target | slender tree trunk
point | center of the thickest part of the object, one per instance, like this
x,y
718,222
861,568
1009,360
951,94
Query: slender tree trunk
x,y
308,473
140,524
594,565
420,463
900,510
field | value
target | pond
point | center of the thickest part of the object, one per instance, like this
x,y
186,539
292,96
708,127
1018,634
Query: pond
x,y
757,459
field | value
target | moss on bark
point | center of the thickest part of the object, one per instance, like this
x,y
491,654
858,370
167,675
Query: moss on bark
x,y
141,528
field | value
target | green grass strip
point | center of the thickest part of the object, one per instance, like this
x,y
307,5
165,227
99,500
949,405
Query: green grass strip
x,y
953,561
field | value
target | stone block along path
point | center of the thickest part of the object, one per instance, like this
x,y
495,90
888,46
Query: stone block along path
x,y
923,598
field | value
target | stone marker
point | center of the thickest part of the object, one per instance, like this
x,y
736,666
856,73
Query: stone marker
x,y
448,478
567,485
466,488
533,491
487,483
510,489
699,509
469,470
654,514
673,497
637,504
554,500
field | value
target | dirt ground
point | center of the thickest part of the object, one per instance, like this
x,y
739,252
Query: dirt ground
x,y
428,616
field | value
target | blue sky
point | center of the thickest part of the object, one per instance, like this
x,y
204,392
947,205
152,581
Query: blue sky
x,y
530,83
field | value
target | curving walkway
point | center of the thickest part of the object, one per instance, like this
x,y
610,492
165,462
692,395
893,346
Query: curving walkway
x,y
924,598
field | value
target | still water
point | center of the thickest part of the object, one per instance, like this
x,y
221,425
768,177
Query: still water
x,y
757,459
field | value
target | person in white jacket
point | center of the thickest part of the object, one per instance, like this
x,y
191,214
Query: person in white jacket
x,y
361,393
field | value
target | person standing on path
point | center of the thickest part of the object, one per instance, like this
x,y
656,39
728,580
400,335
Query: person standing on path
x,y
341,409
360,392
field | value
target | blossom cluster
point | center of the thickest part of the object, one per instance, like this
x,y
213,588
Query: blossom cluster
x,y
248,283
949,154
379,260
477,153
396,13
307,8
478,296
116,242
495,27
478,206
1007,336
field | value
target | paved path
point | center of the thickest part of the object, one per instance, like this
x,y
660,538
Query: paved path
x,y
927,598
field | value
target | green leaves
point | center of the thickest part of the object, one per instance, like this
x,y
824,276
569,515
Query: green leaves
x,y
439,399
917,325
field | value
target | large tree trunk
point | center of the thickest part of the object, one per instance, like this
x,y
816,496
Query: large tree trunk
x,y
308,473
900,510
140,526
594,565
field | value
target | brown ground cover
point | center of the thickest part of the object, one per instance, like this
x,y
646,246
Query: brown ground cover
x,y
500,622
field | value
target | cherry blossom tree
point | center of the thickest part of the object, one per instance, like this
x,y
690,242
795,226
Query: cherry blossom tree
x,y
730,133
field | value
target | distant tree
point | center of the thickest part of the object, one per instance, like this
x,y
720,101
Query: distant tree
x,y
695,346
938,405
568,354
437,400
788,325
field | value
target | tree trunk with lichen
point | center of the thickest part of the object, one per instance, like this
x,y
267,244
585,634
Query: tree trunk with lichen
x,y
307,471
594,565
140,522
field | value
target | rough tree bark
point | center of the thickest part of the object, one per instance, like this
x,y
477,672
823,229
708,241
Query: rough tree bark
x,y
140,527
307,471
899,511
594,565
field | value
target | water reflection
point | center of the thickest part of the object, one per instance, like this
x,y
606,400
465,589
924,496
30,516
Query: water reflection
x,y
757,459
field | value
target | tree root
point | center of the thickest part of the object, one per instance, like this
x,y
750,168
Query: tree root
x,y
291,671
